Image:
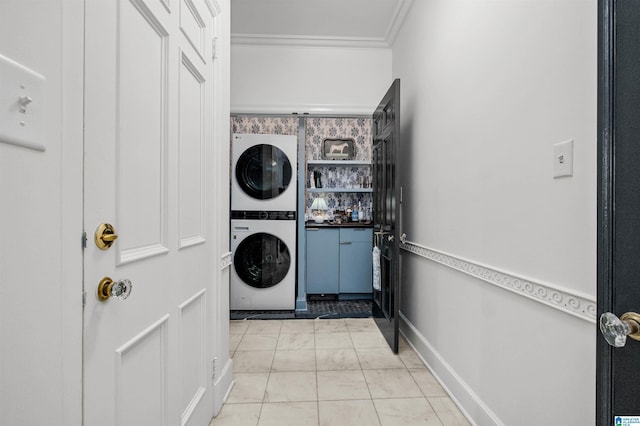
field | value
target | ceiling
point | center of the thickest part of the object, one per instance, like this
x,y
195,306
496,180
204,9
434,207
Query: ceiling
x,y
358,23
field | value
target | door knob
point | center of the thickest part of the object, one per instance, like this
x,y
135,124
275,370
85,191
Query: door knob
x,y
615,330
105,236
108,288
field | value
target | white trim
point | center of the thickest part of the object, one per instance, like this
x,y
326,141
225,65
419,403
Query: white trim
x,y
399,15
395,23
214,7
569,301
225,261
307,40
459,391
222,386
302,109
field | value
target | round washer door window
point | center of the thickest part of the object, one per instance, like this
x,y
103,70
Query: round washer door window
x,y
262,260
263,171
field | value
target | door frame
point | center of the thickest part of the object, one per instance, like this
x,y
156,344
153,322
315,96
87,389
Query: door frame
x,y
606,141
604,403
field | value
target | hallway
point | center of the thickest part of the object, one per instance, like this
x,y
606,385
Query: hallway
x,y
329,372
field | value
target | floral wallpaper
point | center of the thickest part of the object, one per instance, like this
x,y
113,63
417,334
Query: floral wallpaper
x,y
359,129
318,129
264,125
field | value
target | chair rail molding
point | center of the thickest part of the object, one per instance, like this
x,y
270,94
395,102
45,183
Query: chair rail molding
x,y
574,303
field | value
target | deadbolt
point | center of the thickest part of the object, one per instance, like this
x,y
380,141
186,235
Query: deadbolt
x,y
105,236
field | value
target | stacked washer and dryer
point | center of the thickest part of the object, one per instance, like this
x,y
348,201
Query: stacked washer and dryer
x,y
263,221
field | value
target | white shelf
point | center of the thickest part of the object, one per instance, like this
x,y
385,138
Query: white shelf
x,y
313,190
338,163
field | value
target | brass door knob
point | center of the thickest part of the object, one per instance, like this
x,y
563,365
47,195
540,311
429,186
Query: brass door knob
x,y
615,330
105,236
108,288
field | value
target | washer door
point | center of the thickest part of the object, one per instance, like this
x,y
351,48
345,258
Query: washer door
x,y
262,260
263,172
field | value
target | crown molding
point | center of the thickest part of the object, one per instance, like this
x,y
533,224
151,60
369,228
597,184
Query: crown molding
x,y
307,41
303,110
399,16
573,303
395,23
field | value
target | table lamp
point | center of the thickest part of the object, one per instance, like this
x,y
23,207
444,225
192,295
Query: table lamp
x,y
318,207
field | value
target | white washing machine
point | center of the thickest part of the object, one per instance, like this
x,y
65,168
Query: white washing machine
x,y
263,273
264,172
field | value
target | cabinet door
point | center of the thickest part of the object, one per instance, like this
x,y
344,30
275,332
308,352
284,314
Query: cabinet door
x,y
322,261
355,261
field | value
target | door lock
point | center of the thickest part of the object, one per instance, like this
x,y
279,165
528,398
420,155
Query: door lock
x,y
105,236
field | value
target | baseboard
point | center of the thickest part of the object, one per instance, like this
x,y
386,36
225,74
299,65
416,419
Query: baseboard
x,y
222,386
470,404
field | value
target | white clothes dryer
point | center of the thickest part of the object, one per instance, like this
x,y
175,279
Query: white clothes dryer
x,y
264,172
263,273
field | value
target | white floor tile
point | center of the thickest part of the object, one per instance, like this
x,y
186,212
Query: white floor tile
x,y
427,383
347,413
248,387
297,326
406,412
252,361
329,372
448,412
237,414
264,327
296,341
337,359
342,385
304,360
258,342
289,414
376,358
291,386
391,383
337,340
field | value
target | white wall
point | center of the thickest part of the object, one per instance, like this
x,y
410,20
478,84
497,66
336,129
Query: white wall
x,y
487,89
286,79
41,214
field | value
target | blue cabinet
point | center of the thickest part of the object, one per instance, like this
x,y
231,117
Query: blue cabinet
x,y
355,260
339,261
323,261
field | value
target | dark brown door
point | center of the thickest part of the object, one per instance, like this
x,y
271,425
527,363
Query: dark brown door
x,y
386,215
618,373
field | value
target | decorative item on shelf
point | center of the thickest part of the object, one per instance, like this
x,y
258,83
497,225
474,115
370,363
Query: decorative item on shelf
x,y
338,149
318,208
317,177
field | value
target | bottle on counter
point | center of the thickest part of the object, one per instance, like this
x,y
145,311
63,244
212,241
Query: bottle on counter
x,y
354,214
349,214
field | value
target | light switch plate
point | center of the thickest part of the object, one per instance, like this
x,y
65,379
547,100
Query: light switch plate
x,y
563,159
21,105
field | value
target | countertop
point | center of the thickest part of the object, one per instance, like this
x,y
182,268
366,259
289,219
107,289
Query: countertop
x,y
326,224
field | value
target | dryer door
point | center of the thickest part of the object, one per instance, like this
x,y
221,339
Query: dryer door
x,y
262,260
263,172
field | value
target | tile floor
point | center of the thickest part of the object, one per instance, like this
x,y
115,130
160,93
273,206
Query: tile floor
x,y
329,372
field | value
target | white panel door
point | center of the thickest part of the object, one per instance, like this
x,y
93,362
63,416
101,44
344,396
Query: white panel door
x,y
148,99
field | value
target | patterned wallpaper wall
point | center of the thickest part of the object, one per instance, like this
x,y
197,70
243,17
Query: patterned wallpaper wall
x,y
316,130
359,129
264,125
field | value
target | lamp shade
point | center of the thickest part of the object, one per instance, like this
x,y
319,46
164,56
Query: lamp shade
x,y
319,204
